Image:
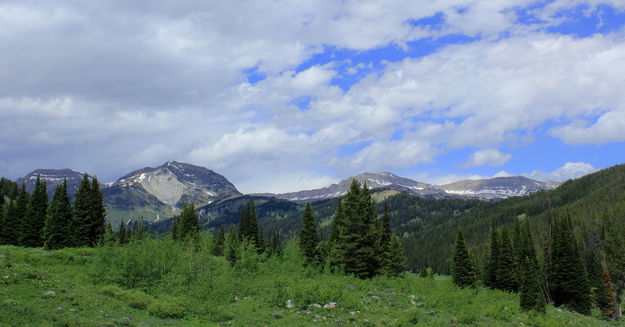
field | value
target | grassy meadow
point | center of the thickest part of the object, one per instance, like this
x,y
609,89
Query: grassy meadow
x,y
167,283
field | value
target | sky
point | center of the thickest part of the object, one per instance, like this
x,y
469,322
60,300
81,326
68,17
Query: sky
x,y
289,95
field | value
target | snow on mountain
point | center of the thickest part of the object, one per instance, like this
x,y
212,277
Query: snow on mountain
x,y
498,187
53,177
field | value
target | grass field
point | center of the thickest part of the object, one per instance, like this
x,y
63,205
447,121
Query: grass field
x,y
165,283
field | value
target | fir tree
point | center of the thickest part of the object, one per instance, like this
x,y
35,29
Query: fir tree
x,y
383,246
274,246
357,238
463,272
217,248
189,226
248,226
15,221
57,229
507,268
396,263
121,233
334,250
309,238
490,278
35,218
569,281
605,295
7,232
532,297
231,246
81,224
97,226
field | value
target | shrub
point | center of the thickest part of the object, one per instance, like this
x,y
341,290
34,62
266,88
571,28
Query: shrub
x,y
169,307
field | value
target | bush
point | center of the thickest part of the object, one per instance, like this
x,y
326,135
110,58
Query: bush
x,y
169,307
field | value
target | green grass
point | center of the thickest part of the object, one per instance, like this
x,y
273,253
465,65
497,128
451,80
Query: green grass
x,y
164,283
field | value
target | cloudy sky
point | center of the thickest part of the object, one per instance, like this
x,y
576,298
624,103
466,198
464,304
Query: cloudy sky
x,y
289,95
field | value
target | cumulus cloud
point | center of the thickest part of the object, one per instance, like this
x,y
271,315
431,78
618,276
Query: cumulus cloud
x,y
490,157
570,170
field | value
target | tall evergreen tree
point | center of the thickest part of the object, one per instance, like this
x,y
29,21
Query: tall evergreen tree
x,y
462,272
532,297
383,245
81,224
57,229
275,246
248,226
396,260
7,232
217,248
97,226
189,226
15,222
507,268
122,235
35,218
490,278
334,249
569,281
231,246
358,239
309,237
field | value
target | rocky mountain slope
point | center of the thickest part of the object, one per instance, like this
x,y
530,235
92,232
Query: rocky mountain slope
x,y
497,188
52,177
373,180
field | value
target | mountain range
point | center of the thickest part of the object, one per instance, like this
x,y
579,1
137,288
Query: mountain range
x,y
153,193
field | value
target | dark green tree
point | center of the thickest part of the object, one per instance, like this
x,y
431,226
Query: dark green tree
x,y
57,230
569,283
122,235
358,240
275,246
189,226
532,297
16,217
383,245
35,218
334,249
605,295
309,237
81,224
217,248
490,277
231,246
97,226
462,271
507,267
7,233
397,260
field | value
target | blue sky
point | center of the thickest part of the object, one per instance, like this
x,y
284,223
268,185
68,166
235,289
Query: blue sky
x,y
288,96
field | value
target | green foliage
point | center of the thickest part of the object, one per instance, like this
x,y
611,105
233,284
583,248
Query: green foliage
x,y
507,266
81,213
605,296
463,270
231,245
34,220
188,226
168,307
531,297
218,242
396,261
248,226
57,230
490,278
309,237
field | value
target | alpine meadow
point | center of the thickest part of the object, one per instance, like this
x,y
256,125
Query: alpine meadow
x,y
312,163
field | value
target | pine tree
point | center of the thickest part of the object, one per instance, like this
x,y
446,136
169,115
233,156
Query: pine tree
x,y
490,278
81,223
570,285
383,246
57,229
605,295
334,250
309,238
7,231
121,233
507,267
2,219
189,226
396,263
462,272
217,248
532,297
357,238
231,246
248,226
275,246
97,226
35,218
16,217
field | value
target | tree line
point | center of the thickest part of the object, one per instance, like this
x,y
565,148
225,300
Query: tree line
x,y
29,219
560,278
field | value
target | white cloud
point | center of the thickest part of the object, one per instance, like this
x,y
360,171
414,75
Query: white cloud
x,y
490,157
608,128
568,171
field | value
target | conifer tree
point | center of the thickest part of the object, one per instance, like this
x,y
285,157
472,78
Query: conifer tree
x,y
248,226
217,248
532,297
570,285
507,268
357,238
396,263
309,238
383,246
231,246
35,218
274,246
334,250
189,226
175,228
17,216
57,229
81,223
121,233
2,220
462,271
109,236
7,232
605,295
490,278
97,226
